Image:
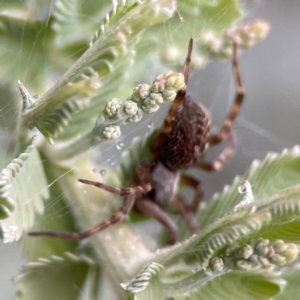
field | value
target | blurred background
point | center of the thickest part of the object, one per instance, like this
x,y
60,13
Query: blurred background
x,y
268,120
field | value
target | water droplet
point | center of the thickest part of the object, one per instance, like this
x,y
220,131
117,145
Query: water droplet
x,y
120,146
102,172
150,125
94,170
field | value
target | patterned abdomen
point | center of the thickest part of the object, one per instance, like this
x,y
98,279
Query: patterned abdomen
x,y
185,143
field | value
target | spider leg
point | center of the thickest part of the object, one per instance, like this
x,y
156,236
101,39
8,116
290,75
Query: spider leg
x,y
225,131
186,68
235,108
219,162
180,95
195,184
129,201
140,189
187,214
167,125
151,209
115,218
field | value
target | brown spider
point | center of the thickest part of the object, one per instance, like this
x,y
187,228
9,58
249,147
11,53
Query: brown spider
x,y
180,144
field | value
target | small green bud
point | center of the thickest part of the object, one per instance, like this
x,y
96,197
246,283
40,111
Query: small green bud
x,y
263,261
279,246
112,132
244,264
261,242
216,264
169,95
261,29
179,81
254,258
157,97
291,252
141,92
158,84
149,106
170,79
130,108
277,260
262,250
113,106
270,251
244,252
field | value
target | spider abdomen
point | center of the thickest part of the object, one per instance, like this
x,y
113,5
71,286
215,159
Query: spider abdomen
x,y
164,184
186,142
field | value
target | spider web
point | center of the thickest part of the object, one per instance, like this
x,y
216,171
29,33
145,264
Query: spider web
x,y
270,74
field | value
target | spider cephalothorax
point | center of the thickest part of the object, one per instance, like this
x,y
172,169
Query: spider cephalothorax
x,y
180,144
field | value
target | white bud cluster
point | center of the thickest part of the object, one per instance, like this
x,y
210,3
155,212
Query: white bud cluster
x,y
145,98
245,36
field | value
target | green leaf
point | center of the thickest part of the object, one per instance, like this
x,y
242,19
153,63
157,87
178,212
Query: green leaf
x,y
291,290
8,129
65,277
241,285
111,43
22,48
72,98
114,81
197,267
23,187
275,173
65,21
57,216
193,19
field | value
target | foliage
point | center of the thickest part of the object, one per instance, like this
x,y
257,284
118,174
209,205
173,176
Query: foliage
x,y
85,82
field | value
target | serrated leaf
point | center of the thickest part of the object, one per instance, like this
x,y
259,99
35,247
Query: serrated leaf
x,y
23,188
276,172
231,285
142,49
188,267
57,216
116,35
65,277
241,285
73,97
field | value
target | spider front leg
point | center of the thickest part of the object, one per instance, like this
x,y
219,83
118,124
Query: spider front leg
x,y
237,103
129,200
115,218
121,192
176,104
225,131
219,162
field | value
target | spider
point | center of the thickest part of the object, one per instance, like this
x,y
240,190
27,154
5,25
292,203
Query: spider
x,y
180,144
